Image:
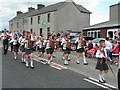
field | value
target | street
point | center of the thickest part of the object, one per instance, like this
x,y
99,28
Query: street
x,y
16,75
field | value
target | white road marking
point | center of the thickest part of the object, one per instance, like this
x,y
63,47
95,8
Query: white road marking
x,y
60,65
95,83
56,67
39,61
103,83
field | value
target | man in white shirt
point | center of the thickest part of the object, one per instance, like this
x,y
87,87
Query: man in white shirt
x,y
108,47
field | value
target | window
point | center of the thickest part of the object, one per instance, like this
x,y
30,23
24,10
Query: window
x,y
95,34
110,34
17,24
98,34
91,34
11,26
38,19
23,21
48,31
88,34
48,17
31,20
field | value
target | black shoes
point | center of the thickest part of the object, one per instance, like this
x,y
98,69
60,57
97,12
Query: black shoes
x,y
32,67
85,63
103,81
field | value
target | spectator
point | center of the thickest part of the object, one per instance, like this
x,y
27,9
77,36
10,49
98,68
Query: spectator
x,y
115,52
108,47
90,45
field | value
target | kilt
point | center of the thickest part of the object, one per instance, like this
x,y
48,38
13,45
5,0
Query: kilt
x,y
22,49
50,51
67,51
28,51
5,41
42,50
80,50
15,48
101,66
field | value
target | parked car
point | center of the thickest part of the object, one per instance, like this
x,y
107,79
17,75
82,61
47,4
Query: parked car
x,y
74,46
96,41
73,35
87,38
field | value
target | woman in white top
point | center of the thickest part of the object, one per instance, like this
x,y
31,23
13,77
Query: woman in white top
x,y
49,48
22,46
41,48
29,43
102,63
15,46
80,49
67,48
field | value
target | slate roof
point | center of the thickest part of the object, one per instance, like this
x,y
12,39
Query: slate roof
x,y
50,8
106,24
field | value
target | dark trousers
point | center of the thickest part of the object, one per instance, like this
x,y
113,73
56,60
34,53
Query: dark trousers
x,y
5,46
11,45
119,79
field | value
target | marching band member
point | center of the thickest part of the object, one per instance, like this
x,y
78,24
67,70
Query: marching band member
x,y
5,37
55,45
11,37
49,48
22,46
41,46
101,65
80,49
29,43
15,46
62,40
67,48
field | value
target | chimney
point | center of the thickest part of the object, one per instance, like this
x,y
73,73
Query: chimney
x,y
19,12
30,9
39,6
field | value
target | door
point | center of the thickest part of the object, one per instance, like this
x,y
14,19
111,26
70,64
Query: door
x,y
40,31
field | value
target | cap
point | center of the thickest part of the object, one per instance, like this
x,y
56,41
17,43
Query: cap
x,y
101,41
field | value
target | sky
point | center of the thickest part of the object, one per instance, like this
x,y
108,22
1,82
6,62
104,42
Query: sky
x,y
99,9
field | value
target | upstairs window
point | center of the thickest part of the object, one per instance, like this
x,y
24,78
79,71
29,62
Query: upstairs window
x,y
17,24
48,17
38,19
31,20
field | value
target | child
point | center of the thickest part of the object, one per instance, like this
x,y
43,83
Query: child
x,y
67,48
80,49
41,46
101,65
15,46
49,49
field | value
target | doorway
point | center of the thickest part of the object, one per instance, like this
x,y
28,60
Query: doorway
x,y
41,31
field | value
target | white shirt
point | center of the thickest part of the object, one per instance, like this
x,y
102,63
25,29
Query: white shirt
x,y
21,40
78,41
15,42
40,44
64,43
48,44
99,54
108,45
3,36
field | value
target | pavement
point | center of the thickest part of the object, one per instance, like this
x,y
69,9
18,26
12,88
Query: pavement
x,y
57,75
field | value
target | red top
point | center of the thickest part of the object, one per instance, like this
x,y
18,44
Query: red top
x,y
115,49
